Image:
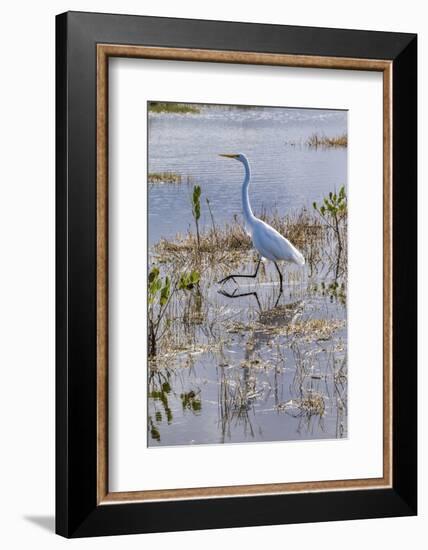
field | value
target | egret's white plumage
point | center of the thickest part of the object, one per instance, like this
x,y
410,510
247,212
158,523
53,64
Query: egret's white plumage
x,y
273,246
266,240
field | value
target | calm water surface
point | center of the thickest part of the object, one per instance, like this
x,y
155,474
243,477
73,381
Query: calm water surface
x,y
285,174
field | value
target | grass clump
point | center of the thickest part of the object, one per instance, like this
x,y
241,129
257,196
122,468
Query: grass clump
x,y
178,108
321,140
310,404
303,229
164,177
309,330
314,329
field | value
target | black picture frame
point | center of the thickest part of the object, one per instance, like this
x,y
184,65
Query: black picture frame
x,y
77,511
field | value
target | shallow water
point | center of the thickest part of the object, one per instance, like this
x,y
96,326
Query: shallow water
x,y
239,372
244,389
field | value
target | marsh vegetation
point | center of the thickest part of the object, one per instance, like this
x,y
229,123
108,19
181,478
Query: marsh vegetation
x,y
321,140
167,107
243,362
164,177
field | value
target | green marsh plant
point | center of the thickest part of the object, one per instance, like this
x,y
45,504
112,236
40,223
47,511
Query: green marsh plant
x,y
334,211
196,210
160,293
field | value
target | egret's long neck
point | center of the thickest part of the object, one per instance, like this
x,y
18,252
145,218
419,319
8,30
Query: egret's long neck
x,y
248,213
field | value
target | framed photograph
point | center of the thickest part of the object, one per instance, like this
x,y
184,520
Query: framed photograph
x,y
236,274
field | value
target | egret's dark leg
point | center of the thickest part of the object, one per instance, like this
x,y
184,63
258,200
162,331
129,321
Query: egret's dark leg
x,y
277,300
280,276
236,276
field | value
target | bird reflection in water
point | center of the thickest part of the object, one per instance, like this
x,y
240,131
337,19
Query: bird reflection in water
x,y
236,294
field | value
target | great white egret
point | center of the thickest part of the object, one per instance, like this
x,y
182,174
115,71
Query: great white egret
x,y
270,244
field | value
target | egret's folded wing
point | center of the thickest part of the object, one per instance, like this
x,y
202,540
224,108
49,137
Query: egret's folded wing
x,y
279,246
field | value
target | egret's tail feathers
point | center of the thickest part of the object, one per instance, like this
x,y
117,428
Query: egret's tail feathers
x,y
298,258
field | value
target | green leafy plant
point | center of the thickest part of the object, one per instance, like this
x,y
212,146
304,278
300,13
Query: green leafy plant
x,y
187,281
334,210
160,292
196,209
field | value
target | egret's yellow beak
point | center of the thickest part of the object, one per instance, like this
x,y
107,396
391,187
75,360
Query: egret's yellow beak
x,y
229,156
